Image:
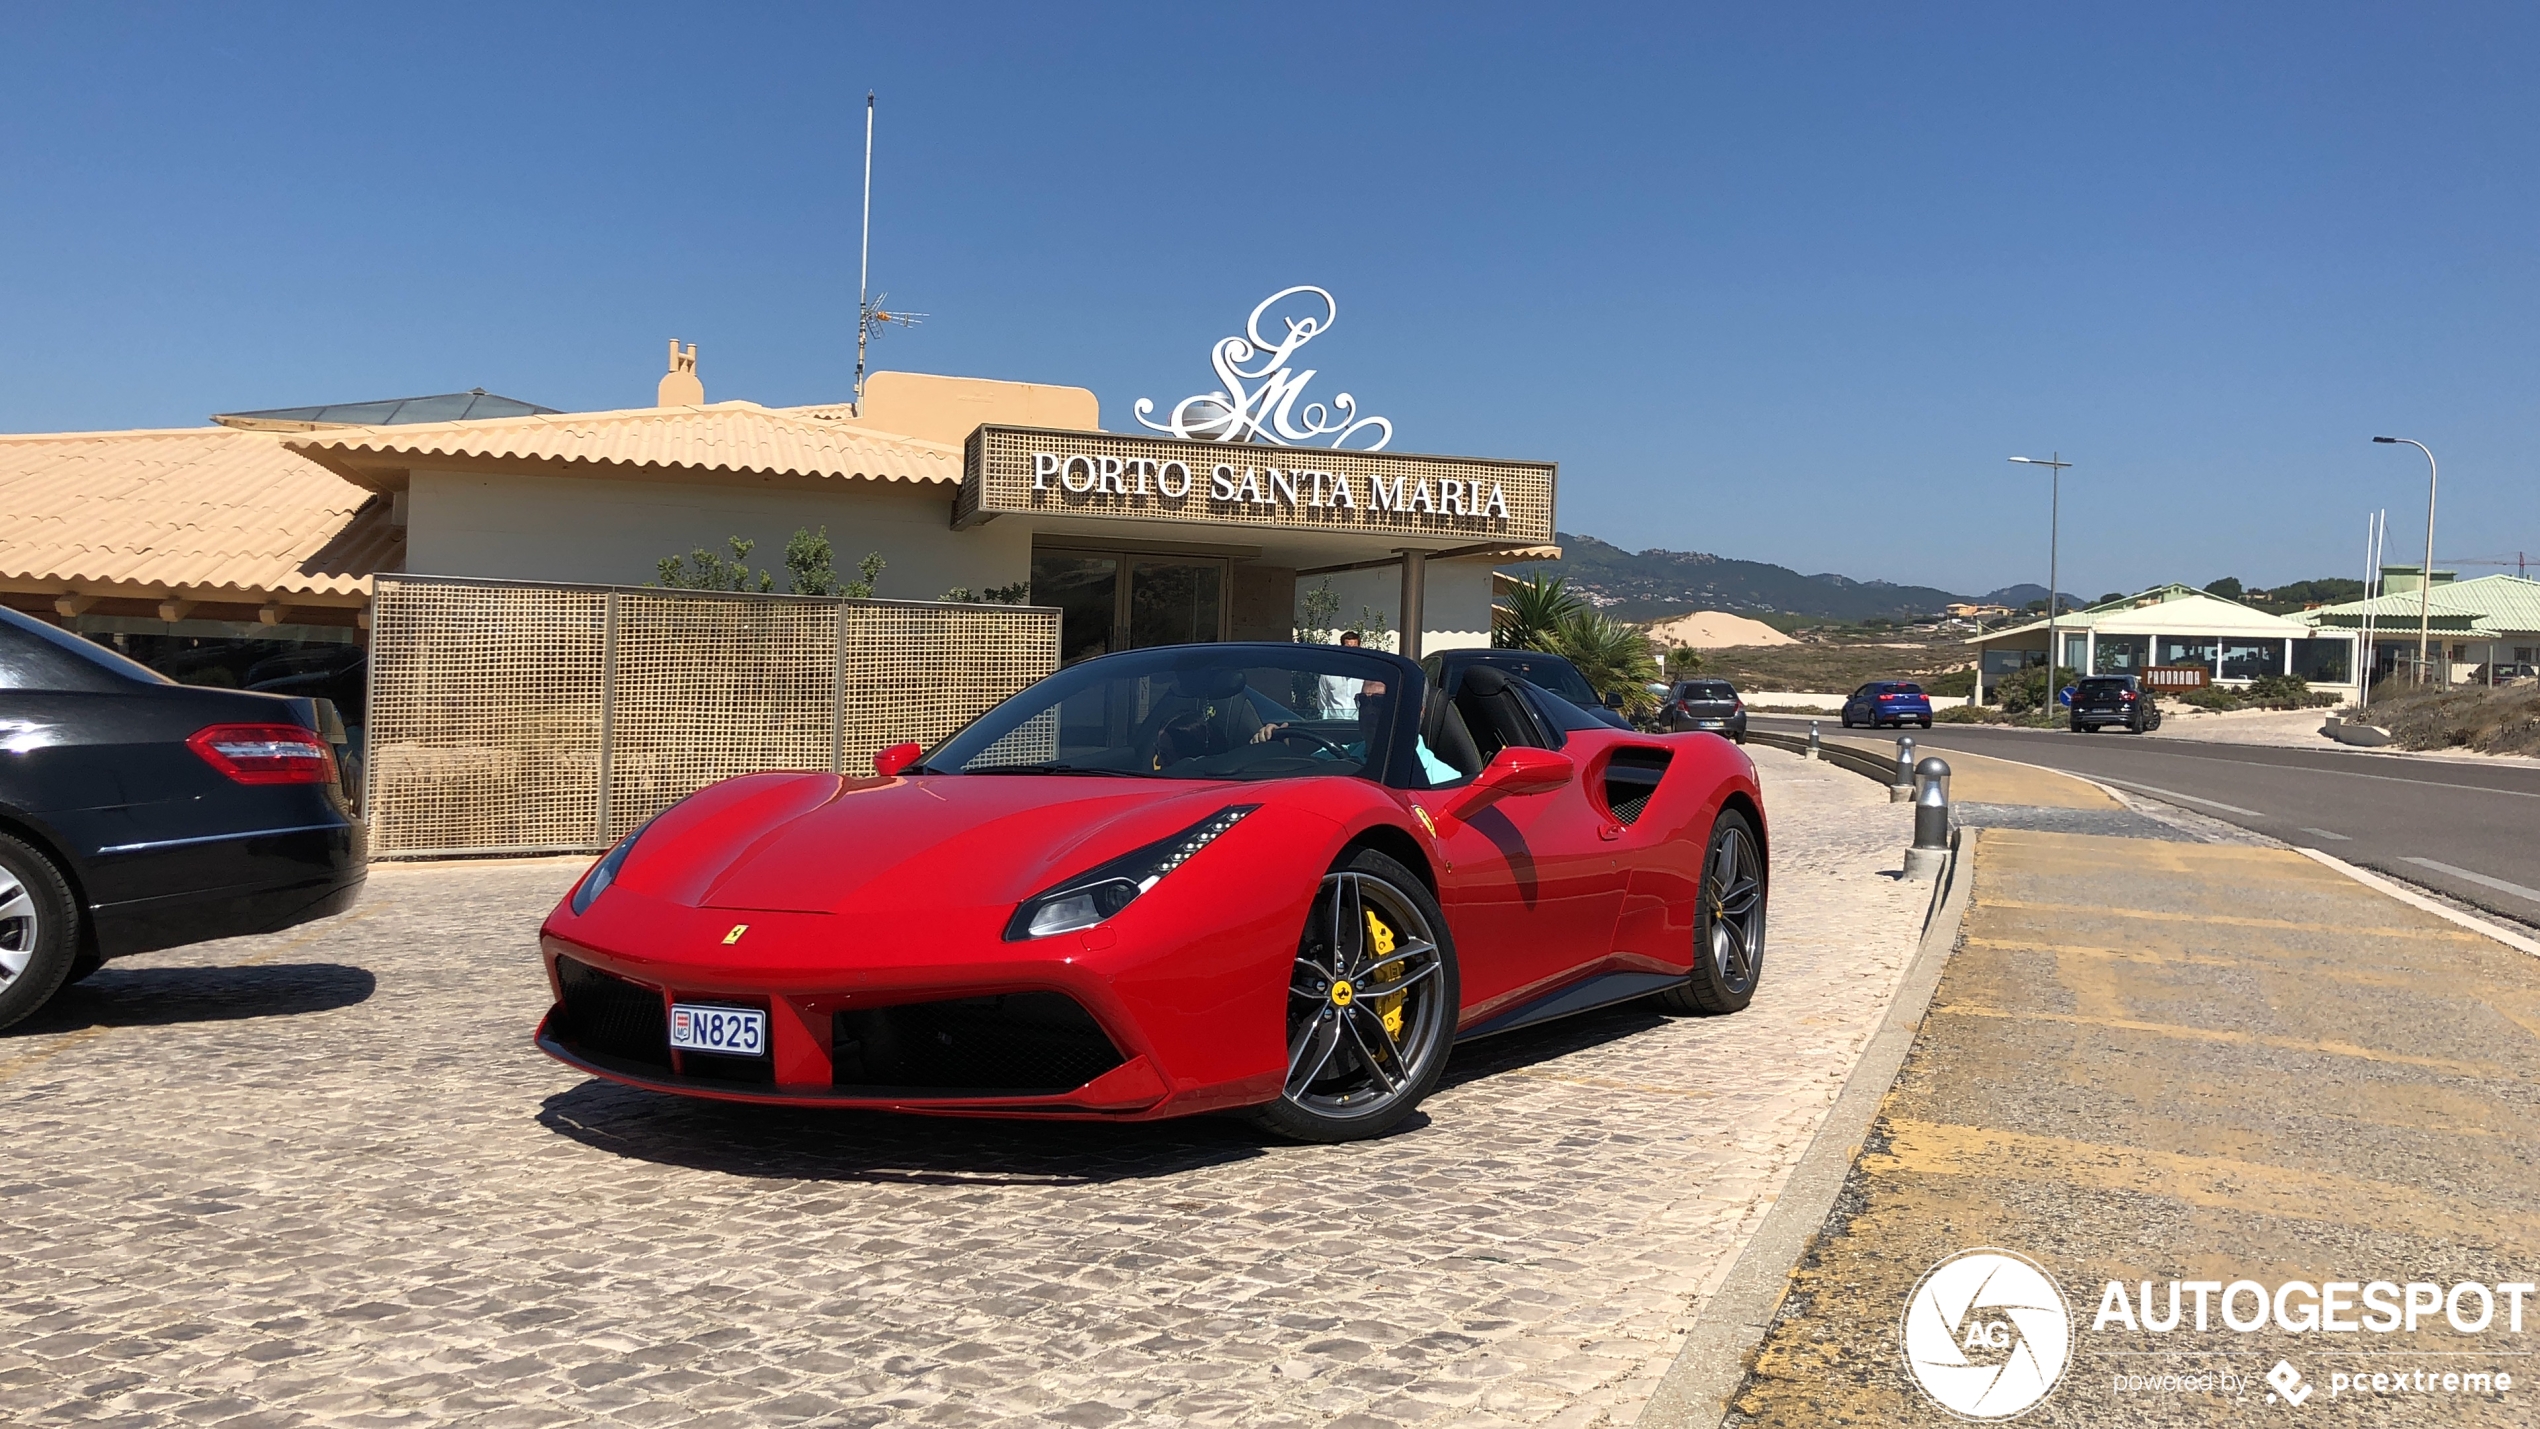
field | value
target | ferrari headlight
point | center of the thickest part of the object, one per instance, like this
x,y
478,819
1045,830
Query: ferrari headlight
x,y
1102,891
604,873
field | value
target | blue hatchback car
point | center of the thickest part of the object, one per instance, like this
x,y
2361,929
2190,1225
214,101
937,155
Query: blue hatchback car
x,y
1896,702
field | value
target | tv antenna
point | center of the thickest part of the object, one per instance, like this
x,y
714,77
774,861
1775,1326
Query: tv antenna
x,y
870,315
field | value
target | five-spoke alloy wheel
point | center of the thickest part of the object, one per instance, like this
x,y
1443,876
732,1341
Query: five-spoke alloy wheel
x,y
1371,1007
39,924
1728,922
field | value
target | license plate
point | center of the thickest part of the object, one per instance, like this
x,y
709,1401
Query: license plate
x,y
724,1031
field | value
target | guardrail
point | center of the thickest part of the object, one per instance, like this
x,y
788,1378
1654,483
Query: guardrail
x,y
1871,764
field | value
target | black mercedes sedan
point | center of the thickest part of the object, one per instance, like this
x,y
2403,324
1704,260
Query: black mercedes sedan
x,y
137,813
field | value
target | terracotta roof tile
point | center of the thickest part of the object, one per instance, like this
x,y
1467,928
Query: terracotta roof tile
x,y
202,509
737,437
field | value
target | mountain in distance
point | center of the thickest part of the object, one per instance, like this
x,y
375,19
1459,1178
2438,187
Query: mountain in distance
x,y
1652,584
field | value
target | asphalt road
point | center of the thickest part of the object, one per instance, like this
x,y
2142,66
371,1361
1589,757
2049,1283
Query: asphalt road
x,y
2470,831
2162,1063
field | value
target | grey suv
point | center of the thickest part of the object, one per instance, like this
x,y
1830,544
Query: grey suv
x,y
1706,704
2114,699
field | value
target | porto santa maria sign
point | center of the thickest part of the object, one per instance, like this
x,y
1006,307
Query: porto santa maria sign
x,y
1233,456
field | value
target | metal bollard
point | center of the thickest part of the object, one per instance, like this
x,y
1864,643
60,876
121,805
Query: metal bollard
x,y
1931,820
1901,788
1816,746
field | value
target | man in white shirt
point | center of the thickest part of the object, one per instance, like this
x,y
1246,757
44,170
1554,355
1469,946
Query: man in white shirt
x,y
1340,692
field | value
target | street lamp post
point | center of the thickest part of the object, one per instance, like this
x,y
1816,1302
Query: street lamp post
x,y
2054,515
2425,578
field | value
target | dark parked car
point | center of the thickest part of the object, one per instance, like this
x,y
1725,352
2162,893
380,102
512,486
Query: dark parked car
x,y
137,813
1706,704
1544,672
1896,702
2502,673
2102,700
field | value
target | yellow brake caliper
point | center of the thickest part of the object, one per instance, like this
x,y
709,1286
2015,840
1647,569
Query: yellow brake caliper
x,y
1380,939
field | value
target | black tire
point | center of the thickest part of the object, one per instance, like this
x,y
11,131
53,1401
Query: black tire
x,y
2077,726
1728,923
1925,721
1357,1067
39,930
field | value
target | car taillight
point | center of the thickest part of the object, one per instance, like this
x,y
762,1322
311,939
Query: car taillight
x,y
265,753
1891,697
2127,695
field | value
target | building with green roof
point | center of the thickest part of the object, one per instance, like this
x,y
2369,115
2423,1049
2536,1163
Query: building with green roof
x,y
2174,631
2478,630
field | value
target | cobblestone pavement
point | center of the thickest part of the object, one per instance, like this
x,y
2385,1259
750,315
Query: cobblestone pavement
x,y
323,1178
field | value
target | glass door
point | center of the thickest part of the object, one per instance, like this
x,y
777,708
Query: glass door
x,y
1112,601
1086,590
1174,602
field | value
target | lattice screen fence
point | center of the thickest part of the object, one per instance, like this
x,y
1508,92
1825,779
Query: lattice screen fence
x,y
518,718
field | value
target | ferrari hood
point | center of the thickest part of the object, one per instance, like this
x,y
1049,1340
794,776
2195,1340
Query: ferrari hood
x,y
984,838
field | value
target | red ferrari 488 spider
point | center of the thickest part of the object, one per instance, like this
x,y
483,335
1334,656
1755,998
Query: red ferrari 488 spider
x,y
1276,878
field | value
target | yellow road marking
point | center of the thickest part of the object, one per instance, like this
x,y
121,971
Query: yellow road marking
x,y
2249,1187
2524,1020
2211,1034
2305,965
2227,920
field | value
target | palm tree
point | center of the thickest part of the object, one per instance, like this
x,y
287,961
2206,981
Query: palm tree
x,y
1532,618
1614,657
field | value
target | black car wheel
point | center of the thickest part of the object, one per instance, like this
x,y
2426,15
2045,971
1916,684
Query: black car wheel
x,y
1372,1003
1728,923
39,930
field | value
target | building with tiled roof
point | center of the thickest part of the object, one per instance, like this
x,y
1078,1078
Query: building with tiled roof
x,y
274,525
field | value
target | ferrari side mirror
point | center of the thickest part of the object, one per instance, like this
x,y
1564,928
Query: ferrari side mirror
x,y
1515,772
896,758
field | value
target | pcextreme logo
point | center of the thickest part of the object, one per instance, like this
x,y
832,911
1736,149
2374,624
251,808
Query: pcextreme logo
x,y
1986,1334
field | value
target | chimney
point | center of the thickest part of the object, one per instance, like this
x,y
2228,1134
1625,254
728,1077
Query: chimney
x,y
680,387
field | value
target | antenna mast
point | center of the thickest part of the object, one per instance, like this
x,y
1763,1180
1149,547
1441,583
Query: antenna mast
x,y
864,265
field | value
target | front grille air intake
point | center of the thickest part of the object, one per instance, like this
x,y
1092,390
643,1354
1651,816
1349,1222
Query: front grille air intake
x,y
607,1016
1020,1043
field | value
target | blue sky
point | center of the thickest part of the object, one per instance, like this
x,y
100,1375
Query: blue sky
x,y
1779,283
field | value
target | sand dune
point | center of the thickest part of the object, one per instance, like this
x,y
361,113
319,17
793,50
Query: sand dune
x,y
1714,630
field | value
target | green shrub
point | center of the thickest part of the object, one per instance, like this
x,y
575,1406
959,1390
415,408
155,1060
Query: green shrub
x,y
2286,692
2028,690
1967,714
2214,697
1957,683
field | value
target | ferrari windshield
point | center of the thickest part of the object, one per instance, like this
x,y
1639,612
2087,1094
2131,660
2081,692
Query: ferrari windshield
x,y
1192,712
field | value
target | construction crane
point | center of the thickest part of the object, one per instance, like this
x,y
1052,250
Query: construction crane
x,y
2519,560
